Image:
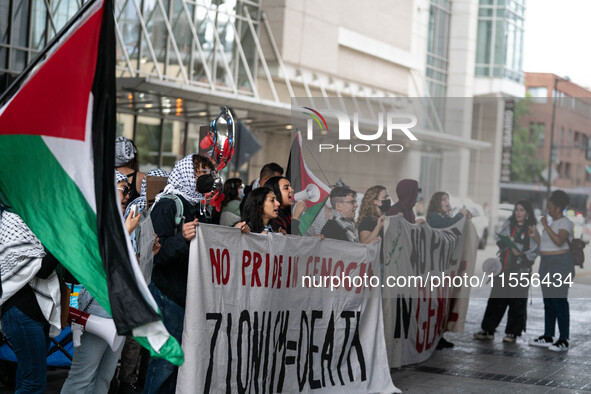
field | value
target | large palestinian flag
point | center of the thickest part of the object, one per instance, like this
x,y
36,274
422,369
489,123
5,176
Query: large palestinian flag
x,y
57,133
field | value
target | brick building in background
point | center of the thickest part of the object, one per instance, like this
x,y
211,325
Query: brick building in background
x,y
572,127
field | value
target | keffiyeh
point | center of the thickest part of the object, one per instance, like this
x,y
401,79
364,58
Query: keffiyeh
x,y
124,151
119,177
141,203
182,181
346,224
21,255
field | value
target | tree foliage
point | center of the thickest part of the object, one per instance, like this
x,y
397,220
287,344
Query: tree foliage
x,y
525,167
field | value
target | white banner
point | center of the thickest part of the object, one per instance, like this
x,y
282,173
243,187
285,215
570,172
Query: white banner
x,y
252,326
423,263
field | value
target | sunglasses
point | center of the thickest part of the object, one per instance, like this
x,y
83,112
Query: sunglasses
x,y
125,190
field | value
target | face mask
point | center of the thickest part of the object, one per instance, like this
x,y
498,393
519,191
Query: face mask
x,y
385,205
205,183
419,196
241,194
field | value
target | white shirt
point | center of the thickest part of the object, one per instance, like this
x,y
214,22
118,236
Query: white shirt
x,y
547,245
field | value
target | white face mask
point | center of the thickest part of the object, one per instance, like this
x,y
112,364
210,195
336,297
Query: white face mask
x,y
241,193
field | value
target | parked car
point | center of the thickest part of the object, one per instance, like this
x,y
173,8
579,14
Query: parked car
x,y
479,219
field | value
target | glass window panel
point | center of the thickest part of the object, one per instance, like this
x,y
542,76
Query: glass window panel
x,y
3,53
4,18
484,41
173,134
19,23
18,60
125,125
147,141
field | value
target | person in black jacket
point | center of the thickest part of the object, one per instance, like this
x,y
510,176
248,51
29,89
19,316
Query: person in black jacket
x,y
342,223
171,264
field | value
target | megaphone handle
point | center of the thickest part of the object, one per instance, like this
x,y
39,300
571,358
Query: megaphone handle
x,y
77,331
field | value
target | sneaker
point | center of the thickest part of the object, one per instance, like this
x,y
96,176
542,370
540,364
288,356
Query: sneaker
x,y
484,335
510,338
444,344
541,341
559,346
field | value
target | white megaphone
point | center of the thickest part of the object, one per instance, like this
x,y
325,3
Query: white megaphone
x,y
310,193
104,328
491,266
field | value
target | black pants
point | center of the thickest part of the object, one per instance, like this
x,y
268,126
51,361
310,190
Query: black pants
x,y
496,307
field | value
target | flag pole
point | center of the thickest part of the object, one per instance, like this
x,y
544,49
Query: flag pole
x,y
15,85
314,158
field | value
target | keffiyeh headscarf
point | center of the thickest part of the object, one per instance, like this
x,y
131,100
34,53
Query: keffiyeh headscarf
x,y
155,172
182,181
346,224
124,151
21,255
119,177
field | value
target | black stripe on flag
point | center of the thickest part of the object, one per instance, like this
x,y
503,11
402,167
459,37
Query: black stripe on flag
x,y
128,306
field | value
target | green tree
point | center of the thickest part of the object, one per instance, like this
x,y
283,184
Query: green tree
x,y
525,167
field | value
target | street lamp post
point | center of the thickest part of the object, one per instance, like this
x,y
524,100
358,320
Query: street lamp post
x,y
556,81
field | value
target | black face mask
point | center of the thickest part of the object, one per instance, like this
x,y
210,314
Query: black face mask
x,y
385,205
205,183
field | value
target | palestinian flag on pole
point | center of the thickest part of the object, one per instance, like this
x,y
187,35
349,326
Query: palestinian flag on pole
x,y
300,177
57,136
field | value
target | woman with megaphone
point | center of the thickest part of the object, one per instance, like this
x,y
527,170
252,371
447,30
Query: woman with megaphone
x,y
286,222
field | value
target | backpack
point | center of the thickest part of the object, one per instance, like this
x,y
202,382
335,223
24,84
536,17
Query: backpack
x,y
179,211
576,248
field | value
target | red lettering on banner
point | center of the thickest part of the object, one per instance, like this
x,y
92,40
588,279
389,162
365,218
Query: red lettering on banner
x,y
220,266
246,257
256,264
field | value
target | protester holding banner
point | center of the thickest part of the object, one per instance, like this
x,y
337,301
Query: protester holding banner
x,y
285,221
28,319
126,162
260,209
521,230
439,211
342,223
268,171
557,264
408,193
374,205
169,276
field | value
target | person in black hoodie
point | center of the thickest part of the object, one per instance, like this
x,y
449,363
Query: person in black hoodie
x,y
171,264
408,193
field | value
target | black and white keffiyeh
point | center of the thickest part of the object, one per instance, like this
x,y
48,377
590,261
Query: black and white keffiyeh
x,y
124,151
21,255
119,177
141,203
182,181
154,172
346,224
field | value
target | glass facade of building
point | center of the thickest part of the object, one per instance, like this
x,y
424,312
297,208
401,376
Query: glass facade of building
x,y
499,50
438,53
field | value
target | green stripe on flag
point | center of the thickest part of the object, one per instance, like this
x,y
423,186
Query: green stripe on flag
x,y
54,208
310,215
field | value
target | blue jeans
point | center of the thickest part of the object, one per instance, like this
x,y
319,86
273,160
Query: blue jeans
x,y
29,339
161,375
555,298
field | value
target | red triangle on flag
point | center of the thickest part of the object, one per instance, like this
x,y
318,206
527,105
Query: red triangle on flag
x,y
54,101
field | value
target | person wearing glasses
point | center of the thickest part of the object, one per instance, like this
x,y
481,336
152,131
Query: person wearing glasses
x,y
94,362
342,223
126,162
